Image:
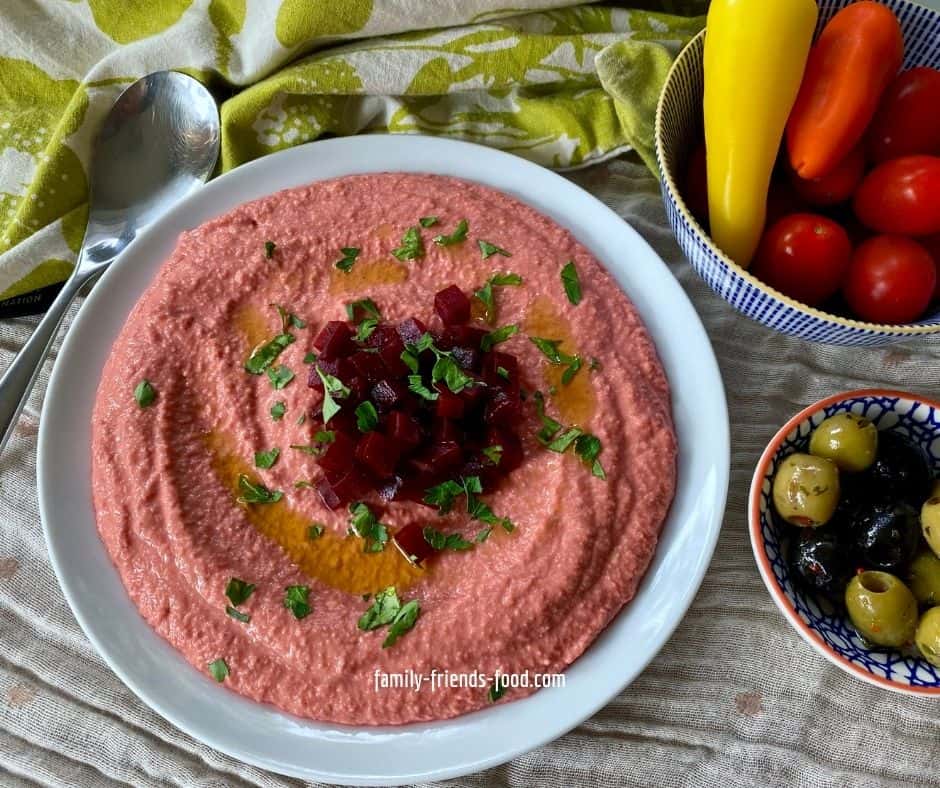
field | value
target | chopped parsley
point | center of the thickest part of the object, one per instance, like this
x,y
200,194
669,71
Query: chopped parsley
x,y
586,446
493,453
296,599
310,358
265,459
459,235
412,247
444,495
238,591
366,526
367,306
387,610
269,247
301,419
497,336
145,393
315,531
549,348
279,376
416,385
333,388
301,484
445,369
265,354
487,297
365,328
288,319
218,669
441,541
256,493
496,691
367,417
237,614
488,250
428,221
571,282
349,253
278,409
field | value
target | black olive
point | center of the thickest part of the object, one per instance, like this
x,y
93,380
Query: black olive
x,y
886,536
899,473
818,560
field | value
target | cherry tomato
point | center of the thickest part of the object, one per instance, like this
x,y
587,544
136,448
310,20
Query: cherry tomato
x,y
696,185
901,196
932,244
908,117
891,280
837,185
804,256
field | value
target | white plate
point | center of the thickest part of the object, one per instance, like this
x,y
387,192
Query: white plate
x,y
262,735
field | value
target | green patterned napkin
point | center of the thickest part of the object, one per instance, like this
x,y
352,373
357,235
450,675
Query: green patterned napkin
x,y
521,76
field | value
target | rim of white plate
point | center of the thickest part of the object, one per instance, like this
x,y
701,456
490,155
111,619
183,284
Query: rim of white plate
x,y
261,735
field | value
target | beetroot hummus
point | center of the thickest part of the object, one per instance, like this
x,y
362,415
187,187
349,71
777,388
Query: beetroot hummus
x,y
189,492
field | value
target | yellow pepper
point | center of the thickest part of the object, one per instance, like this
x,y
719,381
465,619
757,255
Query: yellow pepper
x,y
755,53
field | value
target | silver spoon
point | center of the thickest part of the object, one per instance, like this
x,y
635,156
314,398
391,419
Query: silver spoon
x,y
159,142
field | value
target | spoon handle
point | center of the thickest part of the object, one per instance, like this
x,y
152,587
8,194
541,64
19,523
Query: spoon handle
x,y
20,376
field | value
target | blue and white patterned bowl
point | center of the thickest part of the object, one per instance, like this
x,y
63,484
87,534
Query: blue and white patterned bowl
x,y
679,127
828,631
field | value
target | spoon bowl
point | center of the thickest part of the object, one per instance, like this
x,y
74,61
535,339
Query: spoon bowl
x,y
159,141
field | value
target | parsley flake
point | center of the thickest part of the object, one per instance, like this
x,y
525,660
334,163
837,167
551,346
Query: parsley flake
x,y
296,599
498,335
269,247
350,253
412,247
441,541
218,669
365,305
265,354
256,493
459,235
493,453
571,282
382,611
310,358
366,526
145,393
332,388
367,417
278,409
404,620
486,295
488,250
265,459
315,531
496,691
237,614
238,591
428,221
549,348
279,376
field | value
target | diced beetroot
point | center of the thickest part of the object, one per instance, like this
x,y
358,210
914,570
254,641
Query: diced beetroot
x,y
368,366
411,330
473,395
403,429
389,395
467,358
342,486
389,489
452,306
446,454
445,431
460,336
502,410
359,390
386,339
339,454
328,495
337,367
449,405
412,544
377,454
334,340
495,361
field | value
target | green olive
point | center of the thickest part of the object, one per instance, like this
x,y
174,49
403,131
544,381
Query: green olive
x,y
881,608
924,578
849,440
928,636
930,521
806,490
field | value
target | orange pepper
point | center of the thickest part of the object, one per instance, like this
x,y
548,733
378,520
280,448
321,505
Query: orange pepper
x,y
856,57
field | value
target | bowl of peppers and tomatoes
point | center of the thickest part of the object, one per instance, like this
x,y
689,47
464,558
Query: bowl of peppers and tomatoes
x,y
799,148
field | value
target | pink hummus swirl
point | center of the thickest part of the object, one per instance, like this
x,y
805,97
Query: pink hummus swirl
x,y
165,476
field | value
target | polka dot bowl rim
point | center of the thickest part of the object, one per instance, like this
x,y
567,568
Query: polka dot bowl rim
x,y
758,507
735,284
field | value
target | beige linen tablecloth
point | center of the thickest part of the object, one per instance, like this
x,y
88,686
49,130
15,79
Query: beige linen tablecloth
x,y
735,697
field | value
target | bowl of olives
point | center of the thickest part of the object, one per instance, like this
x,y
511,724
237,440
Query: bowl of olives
x,y
844,516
